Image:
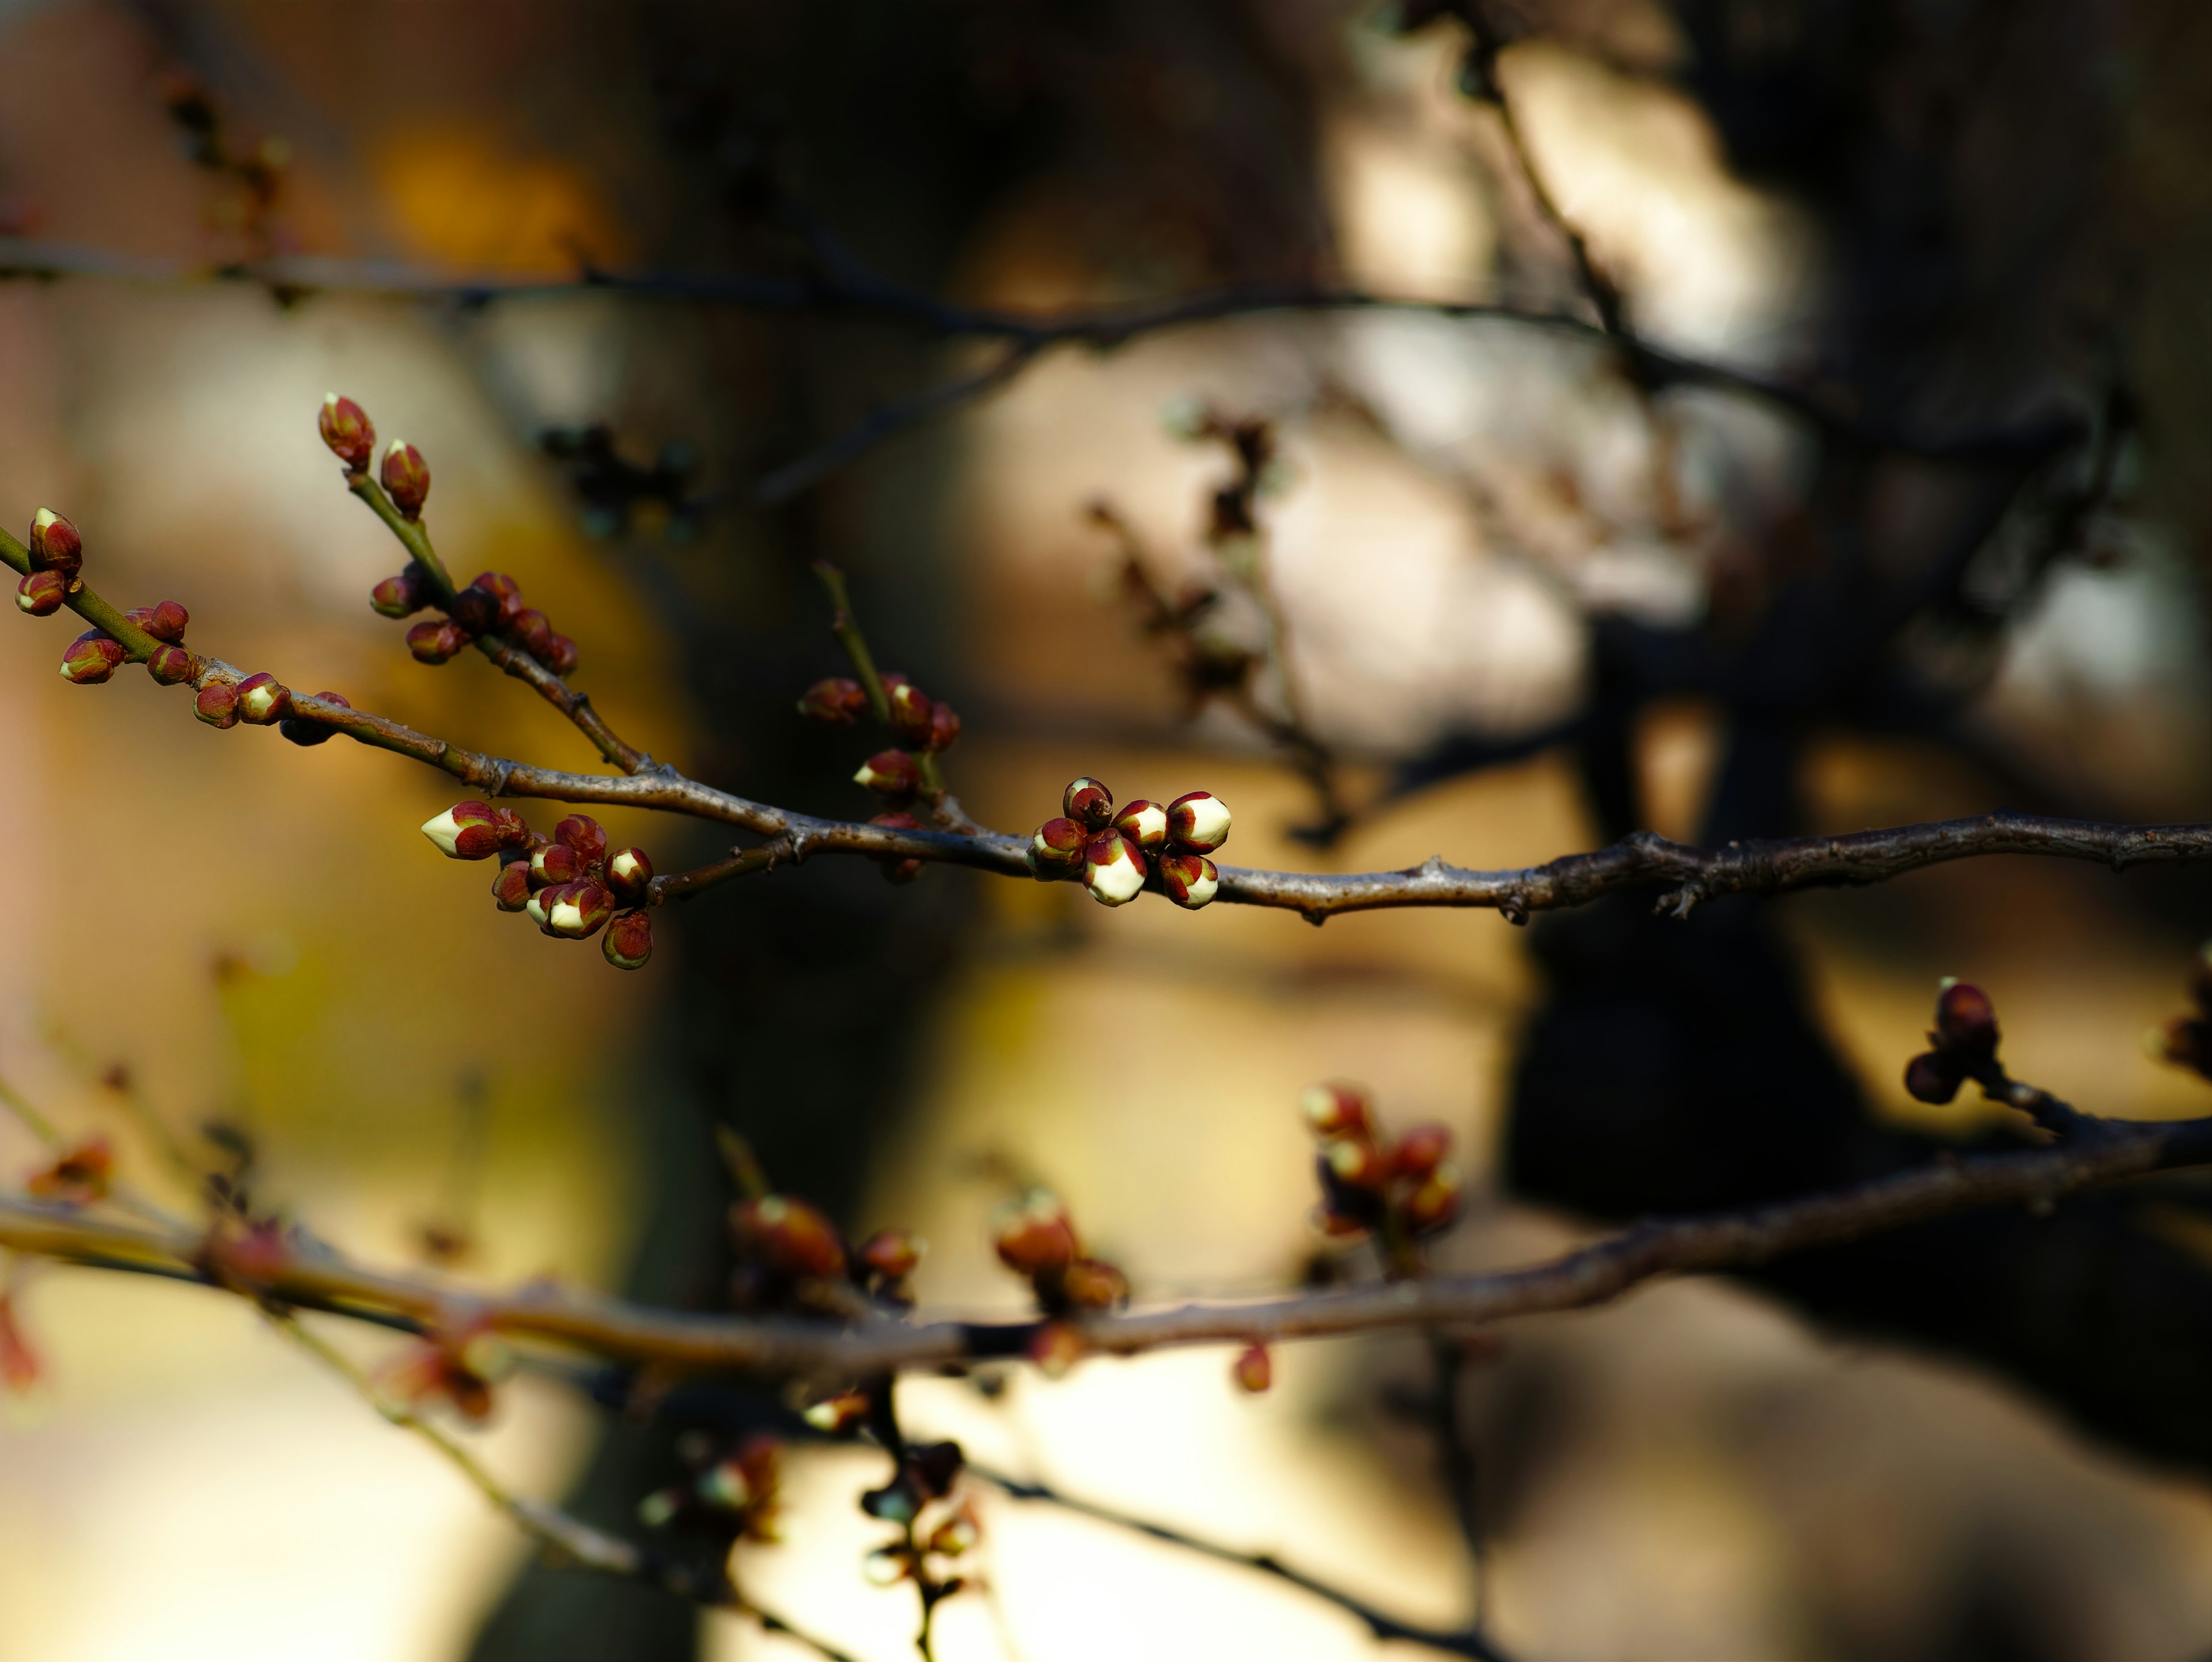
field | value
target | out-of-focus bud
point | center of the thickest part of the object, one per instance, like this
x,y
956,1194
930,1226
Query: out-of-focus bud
x,y
437,642
78,1177
943,726
302,731
468,830
504,590
1189,880
165,621
406,478
1094,1284
1144,824
55,545
1112,870
534,907
1420,1149
1435,1203
890,773
2185,1041
476,610
92,658
935,1468
1966,1020
629,940
896,1503
1336,1111
788,1235
530,631
40,593
217,705
511,887
1034,1235
403,594
1088,803
554,863
345,428
263,700
629,874
1058,842
575,911
1254,1370
1198,820
834,699
171,666
893,1254
837,1414
1933,1076
1355,1163
955,1535
886,1567
912,713
561,655
1055,1347
583,834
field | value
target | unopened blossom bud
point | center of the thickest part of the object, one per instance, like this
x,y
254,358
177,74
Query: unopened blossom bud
x,y
403,594
836,699
1336,1111
1355,1162
436,642
837,1414
92,658
534,907
263,700
1933,1076
1058,842
530,631
1055,1347
890,773
886,1567
1094,1284
1112,870
561,655
896,1503
943,726
345,428
912,713
1088,803
55,545
165,621
583,834
1144,824
788,1235
629,874
217,705
475,610
171,666
892,1254
41,593
468,830
1034,1235
1420,1149
1189,880
1198,820
511,887
554,863
1966,1020
955,1536
504,590
1435,1203
406,478
1254,1370
302,731
627,942
78,1177
575,911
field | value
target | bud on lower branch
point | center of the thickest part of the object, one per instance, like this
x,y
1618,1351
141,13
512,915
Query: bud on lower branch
x,y
55,545
406,479
302,731
403,594
1189,880
890,773
511,888
469,831
575,911
436,642
345,428
629,940
92,658
171,666
40,594
1112,870
629,874
263,700
836,699
217,705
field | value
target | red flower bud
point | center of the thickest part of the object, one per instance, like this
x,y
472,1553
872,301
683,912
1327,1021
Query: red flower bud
x,y
302,732
436,642
1336,1111
41,593
1355,1162
1189,880
1094,1284
575,911
583,834
511,887
406,478
560,655
1058,842
530,631
1434,1204
1252,1370
912,713
475,610
1144,824
892,1254
263,700
503,589
217,704
171,666
1088,803
943,726
1034,1235
1112,870
839,1414
402,595
468,830
1966,1020
164,621
92,658
55,545
1420,1150
1198,820
629,940
629,874
1933,1076
553,864
890,773
78,1177
1055,1347
788,1235
834,699
345,428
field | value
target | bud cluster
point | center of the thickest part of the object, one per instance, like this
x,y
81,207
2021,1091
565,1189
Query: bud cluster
x,y
1964,1044
1401,1190
2187,1040
790,1256
570,885
927,1477
56,556
458,1366
729,1494
491,605
1036,1238
1118,856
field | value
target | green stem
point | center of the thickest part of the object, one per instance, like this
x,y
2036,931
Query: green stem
x,y
412,536
847,631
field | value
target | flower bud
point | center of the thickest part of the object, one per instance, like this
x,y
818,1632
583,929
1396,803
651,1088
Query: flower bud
x,y
1198,820
1189,880
511,887
1055,1347
530,631
890,773
834,699
1336,1111
1355,1163
302,731
1112,870
1933,1076
886,1567
78,1177
41,593
55,545
1094,1284
263,700
345,428
503,589
406,478
1435,1203
837,1414
561,655
913,713
553,864
1254,1370
955,1536
92,658
629,940
629,874
164,621
1089,803
402,595
896,1503
788,1235
1034,1235
436,642
534,909
575,911
1058,842
475,610
583,834
1966,1020
1420,1149
892,1254
217,704
171,666
943,726
1144,824
468,830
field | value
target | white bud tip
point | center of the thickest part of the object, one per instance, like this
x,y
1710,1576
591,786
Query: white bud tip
x,y
1197,894
1201,821
43,517
1115,884
534,909
565,916
445,831
397,447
